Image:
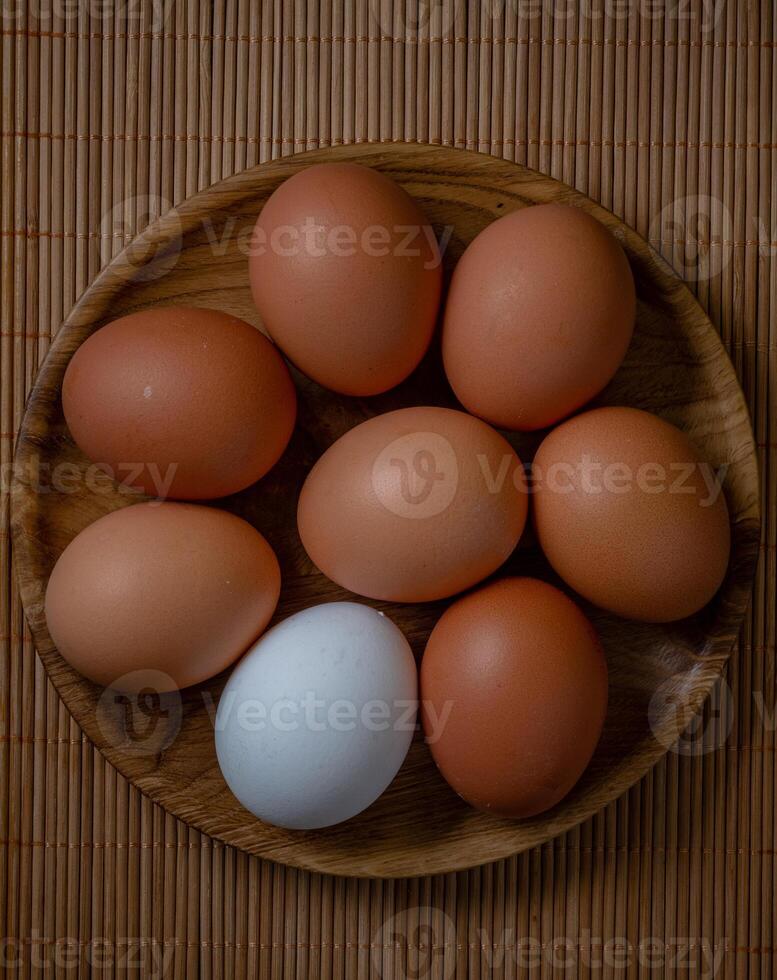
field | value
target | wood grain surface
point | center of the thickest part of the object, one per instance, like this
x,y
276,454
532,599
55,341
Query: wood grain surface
x,y
659,675
665,114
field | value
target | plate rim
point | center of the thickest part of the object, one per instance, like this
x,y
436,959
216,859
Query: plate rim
x,y
176,223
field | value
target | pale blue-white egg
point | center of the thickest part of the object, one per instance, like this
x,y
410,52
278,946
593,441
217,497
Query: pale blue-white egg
x,y
317,718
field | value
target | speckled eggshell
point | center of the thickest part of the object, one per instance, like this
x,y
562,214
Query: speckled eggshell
x,y
176,589
539,316
630,516
513,696
413,505
180,402
345,272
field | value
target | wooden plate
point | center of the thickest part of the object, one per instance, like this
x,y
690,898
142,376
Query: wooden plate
x,y
660,675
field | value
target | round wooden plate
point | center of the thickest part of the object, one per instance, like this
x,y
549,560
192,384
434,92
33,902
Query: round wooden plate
x,y
659,675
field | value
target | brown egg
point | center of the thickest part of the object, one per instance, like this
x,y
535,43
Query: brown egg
x,y
345,272
176,588
630,516
539,316
413,505
513,696
180,402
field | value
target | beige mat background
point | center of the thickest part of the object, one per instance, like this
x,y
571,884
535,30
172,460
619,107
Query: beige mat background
x,y
666,113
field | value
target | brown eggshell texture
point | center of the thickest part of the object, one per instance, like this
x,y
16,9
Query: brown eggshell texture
x,y
192,396
514,696
177,588
345,272
413,505
540,313
630,516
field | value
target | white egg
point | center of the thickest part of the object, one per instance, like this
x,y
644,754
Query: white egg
x,y
317,717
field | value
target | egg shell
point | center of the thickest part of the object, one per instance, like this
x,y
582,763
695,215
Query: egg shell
x,y
346,274
174,588
630,516
538,318
413,505
513,695
316,720
181,402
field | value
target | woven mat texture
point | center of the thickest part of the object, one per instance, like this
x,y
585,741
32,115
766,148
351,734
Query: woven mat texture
x,y
666,113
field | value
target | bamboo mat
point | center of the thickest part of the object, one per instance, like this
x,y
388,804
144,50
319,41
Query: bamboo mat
x,y
667,115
